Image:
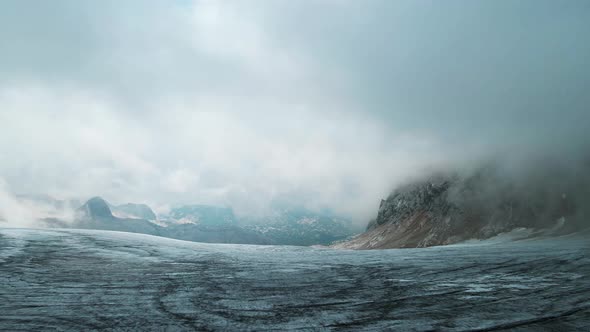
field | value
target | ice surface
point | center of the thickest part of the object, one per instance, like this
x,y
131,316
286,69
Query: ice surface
x,y
90,280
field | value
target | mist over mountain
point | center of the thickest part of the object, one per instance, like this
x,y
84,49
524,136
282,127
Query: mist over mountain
x,y
543,197
140,211
331,114
205,223
471,119
206,165
203,215
96,214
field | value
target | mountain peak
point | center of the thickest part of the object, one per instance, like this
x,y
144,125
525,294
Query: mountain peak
x,y
96,207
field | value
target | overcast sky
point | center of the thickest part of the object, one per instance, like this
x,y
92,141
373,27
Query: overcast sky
x,y
326,104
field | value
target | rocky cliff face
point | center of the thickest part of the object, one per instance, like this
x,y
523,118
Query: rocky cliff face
x,y
449,208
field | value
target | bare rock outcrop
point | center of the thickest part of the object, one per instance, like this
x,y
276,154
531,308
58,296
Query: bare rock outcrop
x,y
449,208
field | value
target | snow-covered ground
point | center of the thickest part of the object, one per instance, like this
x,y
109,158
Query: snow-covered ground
x,y
85,280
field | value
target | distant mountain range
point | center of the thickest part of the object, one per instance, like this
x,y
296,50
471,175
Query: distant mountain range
x,y
299,226
205,223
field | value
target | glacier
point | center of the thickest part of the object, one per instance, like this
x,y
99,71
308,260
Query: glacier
x,y
63,279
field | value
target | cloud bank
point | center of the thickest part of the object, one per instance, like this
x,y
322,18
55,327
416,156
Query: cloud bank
x,y
326,104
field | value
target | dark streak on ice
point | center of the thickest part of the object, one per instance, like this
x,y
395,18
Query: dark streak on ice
x,y
93,280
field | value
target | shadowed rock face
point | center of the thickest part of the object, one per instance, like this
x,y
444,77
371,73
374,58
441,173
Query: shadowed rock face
x,y
445,209
96,207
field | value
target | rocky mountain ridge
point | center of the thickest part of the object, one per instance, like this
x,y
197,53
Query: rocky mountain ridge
x,y
448,208
204,223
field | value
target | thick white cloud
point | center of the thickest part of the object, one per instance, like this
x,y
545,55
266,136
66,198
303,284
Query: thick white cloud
x,y
321,103
70,144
